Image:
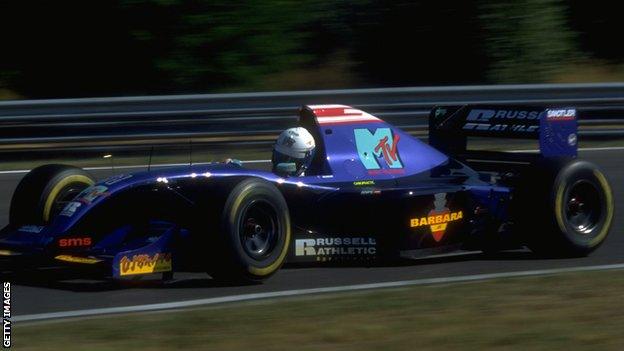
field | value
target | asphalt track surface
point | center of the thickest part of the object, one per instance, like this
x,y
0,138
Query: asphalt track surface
x,y
43,296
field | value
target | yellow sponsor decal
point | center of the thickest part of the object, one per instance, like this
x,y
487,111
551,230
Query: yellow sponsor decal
x,y
77,259
437,221
145,264
364,182
6,253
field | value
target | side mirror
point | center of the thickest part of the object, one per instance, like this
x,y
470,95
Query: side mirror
x,y
287,169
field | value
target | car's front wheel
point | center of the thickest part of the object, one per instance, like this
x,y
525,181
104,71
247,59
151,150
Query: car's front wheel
x,y
44,192
254,236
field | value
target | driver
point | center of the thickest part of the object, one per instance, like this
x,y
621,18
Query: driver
x,y
293,152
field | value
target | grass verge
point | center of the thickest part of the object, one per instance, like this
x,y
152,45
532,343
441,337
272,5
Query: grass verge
x,y
569,311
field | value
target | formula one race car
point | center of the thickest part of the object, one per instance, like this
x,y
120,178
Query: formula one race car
x,y
372,192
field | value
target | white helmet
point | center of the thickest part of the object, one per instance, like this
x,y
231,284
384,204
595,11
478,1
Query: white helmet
x,y
294,145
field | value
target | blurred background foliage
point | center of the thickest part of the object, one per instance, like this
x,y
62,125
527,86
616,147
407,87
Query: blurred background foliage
x,y
135,47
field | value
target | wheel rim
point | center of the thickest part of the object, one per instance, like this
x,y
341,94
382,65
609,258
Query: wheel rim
x,y
65,196
259,230
583,209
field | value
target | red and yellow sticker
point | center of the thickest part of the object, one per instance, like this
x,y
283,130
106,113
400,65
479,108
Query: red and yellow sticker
x,y
437,220
145,264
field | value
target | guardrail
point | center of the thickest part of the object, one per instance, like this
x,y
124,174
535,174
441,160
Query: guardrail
x,y
130,122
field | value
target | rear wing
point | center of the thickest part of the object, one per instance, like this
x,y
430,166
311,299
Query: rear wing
x,y
555,128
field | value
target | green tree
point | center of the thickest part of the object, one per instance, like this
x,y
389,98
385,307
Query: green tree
x,y
526,40
208,45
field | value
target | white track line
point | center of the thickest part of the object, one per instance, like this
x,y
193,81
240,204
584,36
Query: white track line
x,y
300,292
606,148
20,171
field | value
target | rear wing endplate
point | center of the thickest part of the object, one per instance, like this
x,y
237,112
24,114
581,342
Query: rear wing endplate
x,y
555,128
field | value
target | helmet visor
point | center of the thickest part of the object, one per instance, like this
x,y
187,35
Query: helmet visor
x,y
301,164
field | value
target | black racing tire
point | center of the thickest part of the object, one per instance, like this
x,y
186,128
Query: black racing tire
x,y
43,191
254,235
567,208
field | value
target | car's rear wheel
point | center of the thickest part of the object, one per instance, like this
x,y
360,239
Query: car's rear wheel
x,y
254,236
44,191
568,210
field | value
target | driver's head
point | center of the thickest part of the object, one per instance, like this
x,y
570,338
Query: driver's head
x,y
293,152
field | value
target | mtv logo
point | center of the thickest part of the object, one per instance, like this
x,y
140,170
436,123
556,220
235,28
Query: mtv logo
x,y
381,144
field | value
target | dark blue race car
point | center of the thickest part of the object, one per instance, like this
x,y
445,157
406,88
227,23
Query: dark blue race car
x,y
372,192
